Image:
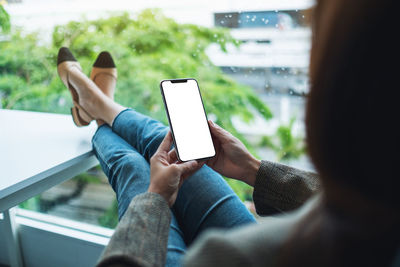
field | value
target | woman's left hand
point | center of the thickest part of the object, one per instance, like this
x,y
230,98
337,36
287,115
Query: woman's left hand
x,y
167,173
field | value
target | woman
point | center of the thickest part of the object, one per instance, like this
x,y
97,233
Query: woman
x,y
351,219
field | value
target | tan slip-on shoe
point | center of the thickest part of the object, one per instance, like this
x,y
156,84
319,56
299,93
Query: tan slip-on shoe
x,y
65,62
104,73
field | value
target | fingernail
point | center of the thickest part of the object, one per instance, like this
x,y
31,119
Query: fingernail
x,y
212,123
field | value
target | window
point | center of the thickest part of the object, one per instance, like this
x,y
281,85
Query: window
x,y
251,62
258,19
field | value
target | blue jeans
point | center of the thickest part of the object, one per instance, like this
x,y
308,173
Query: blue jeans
x,y
205,200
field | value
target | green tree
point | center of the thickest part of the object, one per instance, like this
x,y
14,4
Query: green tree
x,y
284,143
147,48
5,25
152,47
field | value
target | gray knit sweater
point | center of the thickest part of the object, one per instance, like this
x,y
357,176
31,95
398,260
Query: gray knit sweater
x,y
142,235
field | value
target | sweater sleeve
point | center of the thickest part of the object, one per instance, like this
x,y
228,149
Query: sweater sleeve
x,y
282,187
140,238
255,244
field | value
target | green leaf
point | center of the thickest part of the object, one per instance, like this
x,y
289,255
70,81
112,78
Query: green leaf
x,y
5,25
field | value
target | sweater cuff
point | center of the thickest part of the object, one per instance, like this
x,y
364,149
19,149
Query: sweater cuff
x,y
268,195
282,187
261,185
263,177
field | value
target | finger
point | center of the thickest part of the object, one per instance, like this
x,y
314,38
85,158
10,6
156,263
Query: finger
x,y
198,167
217,131
212,161
173,157
166,143
188,174
214,133
188,166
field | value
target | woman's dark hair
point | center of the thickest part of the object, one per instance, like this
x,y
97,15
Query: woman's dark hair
x,y
352,120
353,107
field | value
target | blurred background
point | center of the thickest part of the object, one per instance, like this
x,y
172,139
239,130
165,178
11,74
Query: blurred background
x,y
249,57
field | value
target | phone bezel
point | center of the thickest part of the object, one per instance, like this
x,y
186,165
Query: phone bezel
x,y
183,80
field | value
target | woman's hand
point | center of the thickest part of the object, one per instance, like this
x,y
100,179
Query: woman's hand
x,y
166,173
232,159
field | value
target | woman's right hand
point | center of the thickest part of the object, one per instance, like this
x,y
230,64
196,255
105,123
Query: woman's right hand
x,y
232,159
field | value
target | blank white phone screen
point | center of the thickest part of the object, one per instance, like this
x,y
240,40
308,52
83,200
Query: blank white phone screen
x,y
188,120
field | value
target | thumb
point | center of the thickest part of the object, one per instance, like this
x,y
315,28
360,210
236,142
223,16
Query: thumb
x,y
188,167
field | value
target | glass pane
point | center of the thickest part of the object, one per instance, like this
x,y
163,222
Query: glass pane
x,y
258,19
249,57
86,198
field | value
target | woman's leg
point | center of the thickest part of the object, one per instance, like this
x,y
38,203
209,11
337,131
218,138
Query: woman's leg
x,y
205,199
128,173
214,198
176,244
140,131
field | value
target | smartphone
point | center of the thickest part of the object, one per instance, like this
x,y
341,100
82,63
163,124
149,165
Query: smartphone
x,y
187,119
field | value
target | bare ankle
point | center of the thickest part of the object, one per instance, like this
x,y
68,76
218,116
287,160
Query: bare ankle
x,y
109,110
100,122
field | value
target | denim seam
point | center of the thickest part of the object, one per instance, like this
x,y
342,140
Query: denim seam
x,y
177,229
99,154
175,248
